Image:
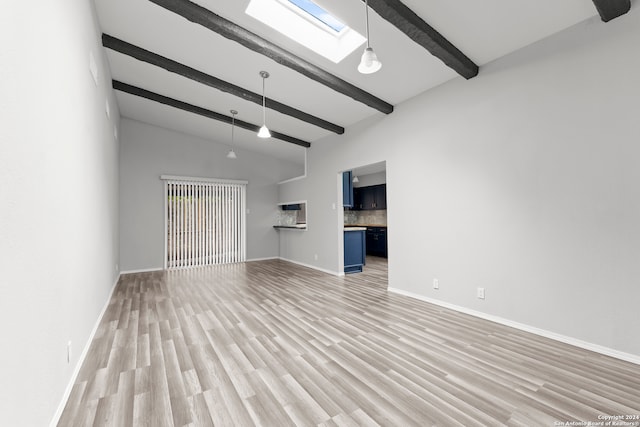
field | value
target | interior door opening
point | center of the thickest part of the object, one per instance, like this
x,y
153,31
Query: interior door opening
x,y
365,207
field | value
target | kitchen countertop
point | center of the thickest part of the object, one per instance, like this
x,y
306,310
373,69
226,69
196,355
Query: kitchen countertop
x,y
352,228
365,225
292,227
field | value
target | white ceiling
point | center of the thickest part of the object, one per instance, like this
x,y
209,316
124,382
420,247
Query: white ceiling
x,y
483,30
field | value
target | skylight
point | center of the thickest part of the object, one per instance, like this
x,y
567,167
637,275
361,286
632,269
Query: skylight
x,y
320,14
306,23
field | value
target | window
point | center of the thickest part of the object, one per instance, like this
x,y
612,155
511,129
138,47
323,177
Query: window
x,y
308,24
320,14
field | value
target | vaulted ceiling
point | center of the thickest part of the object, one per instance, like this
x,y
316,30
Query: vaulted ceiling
x,y
184,65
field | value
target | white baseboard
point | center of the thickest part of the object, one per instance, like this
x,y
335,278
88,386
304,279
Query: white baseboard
x,y
628,357
333,273
262,259
83,355
144,270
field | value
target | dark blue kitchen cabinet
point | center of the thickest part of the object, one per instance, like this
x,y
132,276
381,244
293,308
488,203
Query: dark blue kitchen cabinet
x,y
355,249
377,241
373,197
357,199
380,196
347,189
294,207
367,198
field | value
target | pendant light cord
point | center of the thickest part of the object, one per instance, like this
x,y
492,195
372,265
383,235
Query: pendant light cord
x,y
366,14
264,114
264,131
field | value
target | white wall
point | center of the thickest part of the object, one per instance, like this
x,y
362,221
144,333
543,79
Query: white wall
x,y
371,179
59,201
523,180
149,151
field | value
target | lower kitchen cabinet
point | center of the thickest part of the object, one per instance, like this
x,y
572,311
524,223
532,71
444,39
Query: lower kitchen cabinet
x,y
355,249
377,241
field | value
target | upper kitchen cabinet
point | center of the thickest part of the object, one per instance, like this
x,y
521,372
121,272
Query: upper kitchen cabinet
x,y
380,196
347,189
291,207
373,197
357,199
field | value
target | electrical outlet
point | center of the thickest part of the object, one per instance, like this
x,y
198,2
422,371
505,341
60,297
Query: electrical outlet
x,y
315,257
69,352
436,285
116,267
481,293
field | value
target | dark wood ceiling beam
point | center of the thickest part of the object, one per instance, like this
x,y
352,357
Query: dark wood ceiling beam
x,y
610,9
214,82
200,15
426,36
134,90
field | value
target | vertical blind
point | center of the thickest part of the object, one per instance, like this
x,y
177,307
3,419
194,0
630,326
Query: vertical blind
x,y
205,222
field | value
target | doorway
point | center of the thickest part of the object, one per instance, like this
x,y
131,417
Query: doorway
x,y
369,211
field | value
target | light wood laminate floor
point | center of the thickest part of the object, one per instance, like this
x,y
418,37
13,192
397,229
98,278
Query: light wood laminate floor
x,y
271,343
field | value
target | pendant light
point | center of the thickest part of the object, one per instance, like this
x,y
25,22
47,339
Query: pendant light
x,y
355,179
264,131
369,63
232,154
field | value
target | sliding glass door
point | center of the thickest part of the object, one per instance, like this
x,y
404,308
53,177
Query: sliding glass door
x,y
205,223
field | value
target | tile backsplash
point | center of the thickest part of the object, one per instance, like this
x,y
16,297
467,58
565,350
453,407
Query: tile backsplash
x,y
286,218
366,217
292,217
